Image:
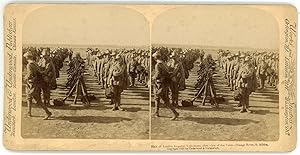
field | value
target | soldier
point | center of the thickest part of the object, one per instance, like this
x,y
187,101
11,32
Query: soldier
x,y
49,77
161,85
262,72
94,62
229,67
132,66
234,70
99,68
106,65
116,81
177,77
244,84
33,79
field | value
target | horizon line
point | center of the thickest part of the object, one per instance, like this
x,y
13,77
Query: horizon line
x,y
212,46
153,44
85,45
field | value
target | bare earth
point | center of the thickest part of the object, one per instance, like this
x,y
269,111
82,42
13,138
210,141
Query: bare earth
x,y
223,124
97,121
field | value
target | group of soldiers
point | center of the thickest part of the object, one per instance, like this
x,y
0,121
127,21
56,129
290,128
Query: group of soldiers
x,y
118,69
247,72
42,69
171,69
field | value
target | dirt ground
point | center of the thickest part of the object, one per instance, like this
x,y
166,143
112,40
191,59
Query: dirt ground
x,y
225,123
97,121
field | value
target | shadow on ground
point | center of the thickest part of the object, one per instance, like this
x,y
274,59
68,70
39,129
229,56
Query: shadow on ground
x,y
224,121
92,119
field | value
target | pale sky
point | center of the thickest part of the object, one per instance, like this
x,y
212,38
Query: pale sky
x,y
93,25
216,26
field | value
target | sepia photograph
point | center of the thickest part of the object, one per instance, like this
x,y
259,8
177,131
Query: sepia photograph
x,y
85,73
215,74
150,77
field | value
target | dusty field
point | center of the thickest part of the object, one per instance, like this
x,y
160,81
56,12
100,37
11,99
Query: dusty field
x,y
97,121
224,123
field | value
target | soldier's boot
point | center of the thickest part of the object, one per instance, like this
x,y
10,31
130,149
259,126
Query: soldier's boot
x,y
244,109
114,108
29,103
247,106
121,109
167,103
119,104
176,115
49,114
112,102
157,108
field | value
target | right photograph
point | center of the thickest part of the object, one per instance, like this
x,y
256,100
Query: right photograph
x,y
215,74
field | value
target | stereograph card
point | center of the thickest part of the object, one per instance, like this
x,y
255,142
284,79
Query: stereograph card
x,y
148,77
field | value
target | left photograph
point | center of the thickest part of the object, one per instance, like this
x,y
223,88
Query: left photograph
x,y
85,73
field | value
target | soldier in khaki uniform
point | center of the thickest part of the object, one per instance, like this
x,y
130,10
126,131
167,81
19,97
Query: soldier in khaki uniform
x,y
116,80
177,77
106,66
99,69
161,85
33,89
262,72
49,78
132,67
244,83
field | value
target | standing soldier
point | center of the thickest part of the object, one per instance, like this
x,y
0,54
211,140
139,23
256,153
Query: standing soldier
x,y
116,81
177,77
244,84
99,62
132,65
49,77
161,82
33,79
107,63
230,64
262,72
101,70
